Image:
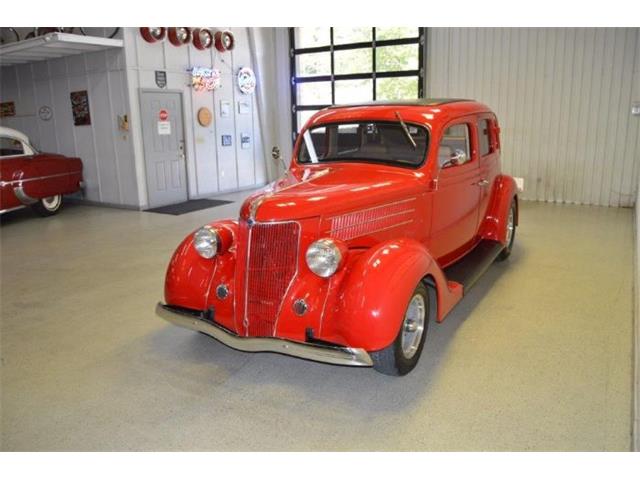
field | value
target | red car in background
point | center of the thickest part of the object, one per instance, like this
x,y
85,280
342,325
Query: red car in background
x,y
385,211
34,179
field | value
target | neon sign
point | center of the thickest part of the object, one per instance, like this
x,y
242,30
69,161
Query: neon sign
x,y
205,79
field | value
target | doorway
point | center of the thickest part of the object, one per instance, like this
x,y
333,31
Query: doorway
x,y
164,148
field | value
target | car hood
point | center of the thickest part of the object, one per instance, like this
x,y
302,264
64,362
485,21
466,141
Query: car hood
x,y
331,189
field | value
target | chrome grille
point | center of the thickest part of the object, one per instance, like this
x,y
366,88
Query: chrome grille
x,y
272,264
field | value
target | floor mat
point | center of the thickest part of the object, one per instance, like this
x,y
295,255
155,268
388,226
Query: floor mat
x,y
188,206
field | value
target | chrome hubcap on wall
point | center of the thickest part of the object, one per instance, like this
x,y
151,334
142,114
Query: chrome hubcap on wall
x,y
413,326
52,203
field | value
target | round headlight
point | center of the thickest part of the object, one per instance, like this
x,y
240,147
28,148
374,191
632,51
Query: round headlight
x,y
206,242
324,257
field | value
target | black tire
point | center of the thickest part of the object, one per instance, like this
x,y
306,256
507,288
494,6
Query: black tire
x,y
506,251
393,360
45,207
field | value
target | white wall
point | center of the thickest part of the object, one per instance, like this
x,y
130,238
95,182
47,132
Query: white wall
x,y
211,168
563,98
106,152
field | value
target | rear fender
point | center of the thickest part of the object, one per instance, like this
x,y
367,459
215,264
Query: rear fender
x,y
377,290
494,224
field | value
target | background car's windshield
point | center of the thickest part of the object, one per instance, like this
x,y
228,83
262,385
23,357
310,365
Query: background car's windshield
x,y
385,142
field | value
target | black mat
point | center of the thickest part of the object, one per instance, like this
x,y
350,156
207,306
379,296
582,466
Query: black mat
x,y
188,206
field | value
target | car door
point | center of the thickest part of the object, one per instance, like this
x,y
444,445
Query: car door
x,y
489,161
456,199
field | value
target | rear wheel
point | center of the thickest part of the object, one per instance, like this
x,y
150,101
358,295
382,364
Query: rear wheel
x,y
511,232
48,206
403,354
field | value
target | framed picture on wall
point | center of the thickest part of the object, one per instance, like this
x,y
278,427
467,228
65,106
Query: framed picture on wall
x,y
80,108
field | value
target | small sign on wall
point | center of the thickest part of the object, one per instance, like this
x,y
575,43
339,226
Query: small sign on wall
x,y
244,107
245,141
161,78
7,109
225,108
226,140
80,108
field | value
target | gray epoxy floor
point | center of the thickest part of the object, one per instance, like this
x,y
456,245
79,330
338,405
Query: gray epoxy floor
x,y
537,357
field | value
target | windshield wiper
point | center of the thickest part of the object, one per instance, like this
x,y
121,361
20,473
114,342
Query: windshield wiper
x,y
406,130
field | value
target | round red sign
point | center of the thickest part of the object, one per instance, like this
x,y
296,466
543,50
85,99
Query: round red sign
x,y
164,115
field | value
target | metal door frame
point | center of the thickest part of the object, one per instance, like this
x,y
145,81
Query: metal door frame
x,y
141,92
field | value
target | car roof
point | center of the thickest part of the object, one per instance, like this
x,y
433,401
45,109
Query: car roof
x,y
10,132
419,102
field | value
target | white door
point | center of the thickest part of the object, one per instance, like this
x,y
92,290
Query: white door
x,y
163,139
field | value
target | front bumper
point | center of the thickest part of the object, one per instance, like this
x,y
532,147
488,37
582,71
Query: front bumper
x,y
194,320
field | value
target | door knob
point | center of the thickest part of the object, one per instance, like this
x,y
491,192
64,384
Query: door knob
x,y
483,183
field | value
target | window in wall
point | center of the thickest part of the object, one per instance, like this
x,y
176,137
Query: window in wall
x,y
484,133
336,65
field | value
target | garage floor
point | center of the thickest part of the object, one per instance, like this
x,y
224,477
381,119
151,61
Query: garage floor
x,y
537,357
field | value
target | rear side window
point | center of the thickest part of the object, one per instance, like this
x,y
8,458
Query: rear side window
x,y
484,136
10,147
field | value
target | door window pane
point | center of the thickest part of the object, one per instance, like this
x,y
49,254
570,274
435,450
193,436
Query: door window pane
x,y
312,36
311,64
454,140
391,33
353,61
342,35
397,58
314,93
352,91
400,88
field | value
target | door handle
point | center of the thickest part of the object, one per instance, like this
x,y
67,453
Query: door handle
x,y
482,183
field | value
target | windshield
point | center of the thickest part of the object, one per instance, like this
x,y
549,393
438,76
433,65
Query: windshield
x,y
385,142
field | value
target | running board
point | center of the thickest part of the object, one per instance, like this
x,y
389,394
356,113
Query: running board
x,y
470,268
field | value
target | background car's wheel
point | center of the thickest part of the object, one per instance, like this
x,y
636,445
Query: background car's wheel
x,y
402,355
48,206
511,232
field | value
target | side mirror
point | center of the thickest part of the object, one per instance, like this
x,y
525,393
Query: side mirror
x,y
458,157
276,156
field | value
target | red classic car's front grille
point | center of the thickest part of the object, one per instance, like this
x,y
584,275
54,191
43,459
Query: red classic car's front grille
x,y
272,264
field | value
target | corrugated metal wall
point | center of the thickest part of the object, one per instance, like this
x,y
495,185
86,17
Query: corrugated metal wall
x,y
563,98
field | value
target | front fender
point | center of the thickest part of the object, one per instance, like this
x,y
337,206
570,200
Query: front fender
x,y
494,224
377,290
189,276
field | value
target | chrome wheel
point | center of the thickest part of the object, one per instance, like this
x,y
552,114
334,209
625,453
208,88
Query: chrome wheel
x,y
413,326
510,227
52,203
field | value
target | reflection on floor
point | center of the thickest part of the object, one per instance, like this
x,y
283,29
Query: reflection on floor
x,y
537,357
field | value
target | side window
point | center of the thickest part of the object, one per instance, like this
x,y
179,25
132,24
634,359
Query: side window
x,y
10,147
455,140
484,136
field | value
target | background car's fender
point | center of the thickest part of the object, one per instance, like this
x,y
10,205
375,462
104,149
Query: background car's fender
x,y
377,290
494,225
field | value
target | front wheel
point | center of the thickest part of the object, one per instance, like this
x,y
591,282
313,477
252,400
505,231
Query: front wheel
x,y
511,232
48,206
402,355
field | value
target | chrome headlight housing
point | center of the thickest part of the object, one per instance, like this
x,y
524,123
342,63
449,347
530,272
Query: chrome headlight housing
x,y
324,257
206,241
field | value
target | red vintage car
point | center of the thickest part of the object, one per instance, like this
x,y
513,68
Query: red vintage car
x,y
386,210
34,179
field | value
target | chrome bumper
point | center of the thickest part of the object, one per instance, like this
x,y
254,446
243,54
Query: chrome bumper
x,y
355,357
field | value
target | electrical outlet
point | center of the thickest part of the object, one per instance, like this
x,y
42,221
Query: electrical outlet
x,y
519,183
